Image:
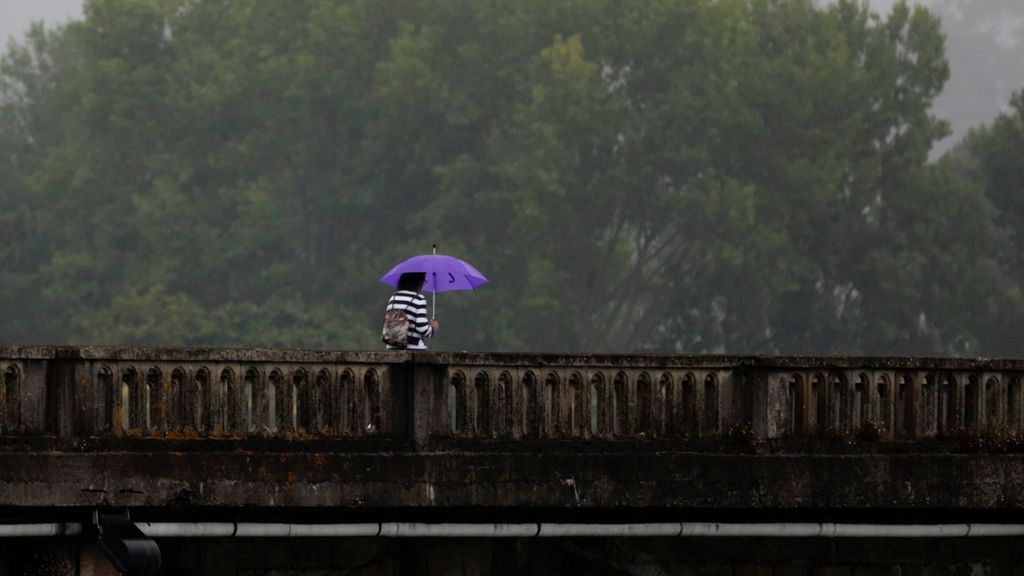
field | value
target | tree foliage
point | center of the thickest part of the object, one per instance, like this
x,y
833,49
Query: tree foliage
x,y
674,175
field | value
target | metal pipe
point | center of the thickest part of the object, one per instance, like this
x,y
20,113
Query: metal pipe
x,y
40,530
901,530
997,530
532,529
334,530
560,530
444,530
637,530
187,529
765,530
268,530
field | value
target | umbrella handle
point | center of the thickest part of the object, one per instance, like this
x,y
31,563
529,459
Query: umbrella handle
x,y
433,301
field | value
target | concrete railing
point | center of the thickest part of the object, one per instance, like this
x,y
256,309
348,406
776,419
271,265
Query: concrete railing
x,y
85,392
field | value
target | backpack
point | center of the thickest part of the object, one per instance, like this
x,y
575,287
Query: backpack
x,y
396,328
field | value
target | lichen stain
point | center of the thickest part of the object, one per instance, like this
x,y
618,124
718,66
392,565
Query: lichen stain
x,y
289,483
300,435
186,434
225,435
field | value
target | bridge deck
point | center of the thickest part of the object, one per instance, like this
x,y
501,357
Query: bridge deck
x,y
430,433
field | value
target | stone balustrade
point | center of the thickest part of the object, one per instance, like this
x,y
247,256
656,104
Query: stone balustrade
x,y
183,394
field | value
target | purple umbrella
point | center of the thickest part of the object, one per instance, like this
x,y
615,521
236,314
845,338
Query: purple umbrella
x,y
444,273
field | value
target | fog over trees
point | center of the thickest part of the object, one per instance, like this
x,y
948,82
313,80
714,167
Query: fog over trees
x,y
985,43
667,175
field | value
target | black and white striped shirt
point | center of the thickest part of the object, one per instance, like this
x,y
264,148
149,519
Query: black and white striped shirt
x,y
415,307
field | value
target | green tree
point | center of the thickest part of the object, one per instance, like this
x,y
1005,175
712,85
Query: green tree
x,y
816,246
992,158
736,175
32,121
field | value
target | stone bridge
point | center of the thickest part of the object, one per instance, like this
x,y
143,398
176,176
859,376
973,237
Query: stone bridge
x,y
374,443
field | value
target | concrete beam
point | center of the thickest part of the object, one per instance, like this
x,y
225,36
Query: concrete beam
x,y
563,480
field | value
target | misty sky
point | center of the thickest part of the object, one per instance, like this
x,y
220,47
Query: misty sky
x,y
980,86
16,15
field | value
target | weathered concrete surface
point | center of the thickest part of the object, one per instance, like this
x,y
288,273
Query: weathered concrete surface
x,y
97,392
374,430
338,436
552,480
276,355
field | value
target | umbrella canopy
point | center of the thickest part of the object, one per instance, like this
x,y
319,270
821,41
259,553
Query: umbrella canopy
x,y
444,273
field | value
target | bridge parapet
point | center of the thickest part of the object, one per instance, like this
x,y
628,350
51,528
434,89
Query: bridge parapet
x,y
189,394
646,397
183,394
413,433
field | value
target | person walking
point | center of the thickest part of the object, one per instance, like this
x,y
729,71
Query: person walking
x,y
407,301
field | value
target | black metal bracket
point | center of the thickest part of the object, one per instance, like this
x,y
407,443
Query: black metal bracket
x,y
130,551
